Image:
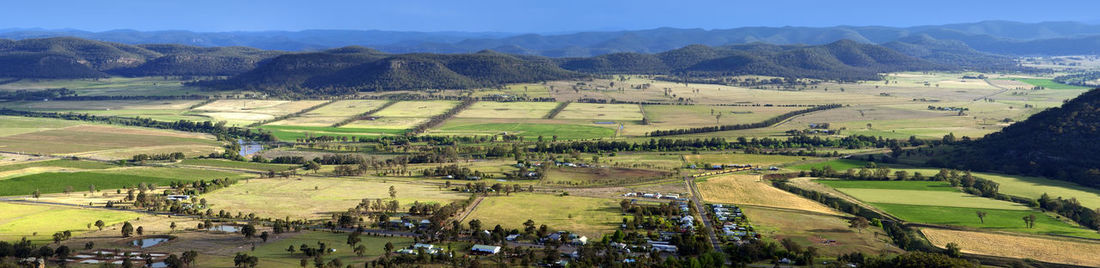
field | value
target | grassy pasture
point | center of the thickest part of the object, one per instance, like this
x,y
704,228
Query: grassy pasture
x,y
808,229
20,220
237,164
113,86
926,197
567,176
244,112
689,116
331,113
752,190
531,128
400,123
274,254
290,133
995,219
14,125
166,110
1033,187
530,90
488,109
87,138
1022,247
601,112
891,185
56,182
315,198
422,109
837,164
588,216
1047,83
61,163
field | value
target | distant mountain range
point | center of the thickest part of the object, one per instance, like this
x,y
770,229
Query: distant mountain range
x,y
354,68
997,37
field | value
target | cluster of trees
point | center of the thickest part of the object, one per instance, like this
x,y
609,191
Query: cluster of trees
x,y
557,110
1082,79
158,157
1072,209
440,118
765,123
967,181
217,129
37,95
755,145
455,171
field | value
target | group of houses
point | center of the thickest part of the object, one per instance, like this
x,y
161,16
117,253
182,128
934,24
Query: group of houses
x,y
732,225
670,196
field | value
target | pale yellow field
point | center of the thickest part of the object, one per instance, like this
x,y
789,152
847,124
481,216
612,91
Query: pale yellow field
x,y
416,109
109,105
241,112
345,108
387,123
596,111
1043,249
489,109
753,190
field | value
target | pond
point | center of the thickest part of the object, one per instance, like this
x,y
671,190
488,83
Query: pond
x,y
149,242
226,228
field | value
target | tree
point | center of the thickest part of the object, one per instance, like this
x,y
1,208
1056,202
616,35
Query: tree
x,y
1029,220
388,248
173,261
189,257
36,194
62,252
100,224
475,225
311,165
173,226
243,260
393,192
859,223
140,230
127,229
360,250
952,250
248,230
981,216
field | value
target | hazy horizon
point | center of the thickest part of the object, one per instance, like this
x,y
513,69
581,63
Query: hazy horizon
x,y
499,16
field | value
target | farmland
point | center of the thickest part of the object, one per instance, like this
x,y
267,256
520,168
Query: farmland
x,y
1047,83
244,112
600,112
56,182
39,222
63,137
811,229
736,158
530,128
588,216
752,190
314,198
331,113
1023,247
487,109
274,254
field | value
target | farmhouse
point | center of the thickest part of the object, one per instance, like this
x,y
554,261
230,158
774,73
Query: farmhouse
x,y
484,249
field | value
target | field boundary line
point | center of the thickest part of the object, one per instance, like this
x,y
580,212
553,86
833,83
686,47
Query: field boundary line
x,y
439,119
557,110
364,115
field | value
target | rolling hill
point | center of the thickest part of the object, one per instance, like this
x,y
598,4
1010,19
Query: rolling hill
x,y
1058,143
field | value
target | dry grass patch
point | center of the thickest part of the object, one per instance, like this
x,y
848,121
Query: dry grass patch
x,y
1013,246
87,138
599,111
753,190
809,229
489,109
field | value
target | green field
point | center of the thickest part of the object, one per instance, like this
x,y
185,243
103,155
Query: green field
x,y
1047,83
114,86
56,182
274,254
530,130
19,220
58,163
584,215
891,185
995,219
837,164
237,164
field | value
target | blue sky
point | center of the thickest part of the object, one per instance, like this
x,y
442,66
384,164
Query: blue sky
x,y
541,16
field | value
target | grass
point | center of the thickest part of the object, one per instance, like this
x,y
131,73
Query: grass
x,y
588,216
995,219
837,164
291,133
568,176
87,138
563,131
57,182
274,254
601,112
892,185
488,109
19,220
752,190
244,112
315,198
237,164
113,86
1047,83
1022,247
331,113
422,109
812,229
1033,187
61,163
933,198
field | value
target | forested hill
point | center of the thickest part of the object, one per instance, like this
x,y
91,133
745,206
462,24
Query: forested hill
x,y
65,57
1060,143
352,69
841,60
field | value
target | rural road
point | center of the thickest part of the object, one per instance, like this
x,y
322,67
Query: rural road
x,y
697,199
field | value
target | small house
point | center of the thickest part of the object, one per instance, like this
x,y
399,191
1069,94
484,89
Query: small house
x,y
484,249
